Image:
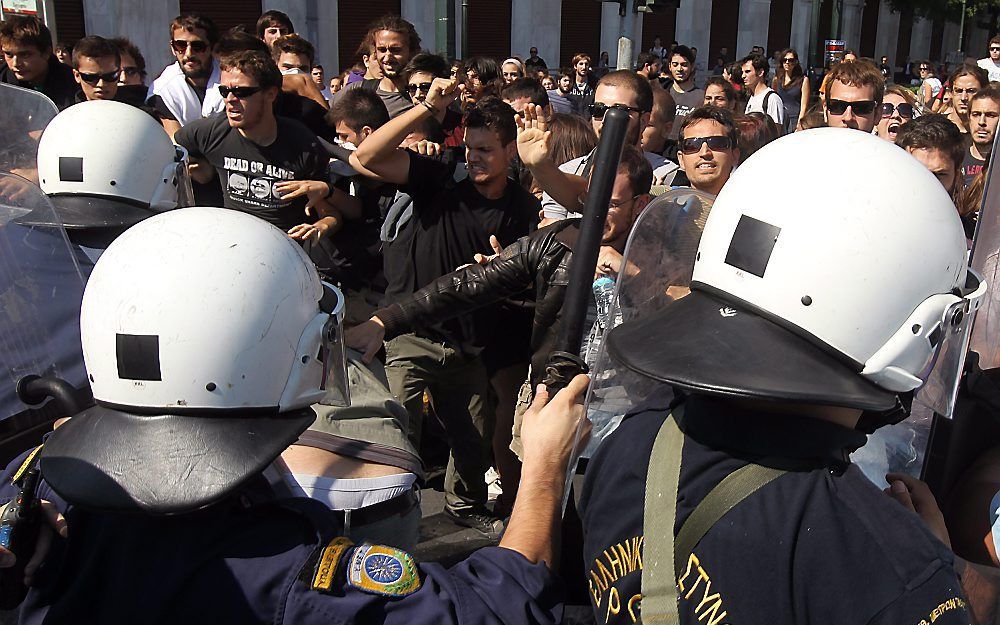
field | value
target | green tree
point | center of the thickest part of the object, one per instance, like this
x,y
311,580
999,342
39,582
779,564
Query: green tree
x,y
950,9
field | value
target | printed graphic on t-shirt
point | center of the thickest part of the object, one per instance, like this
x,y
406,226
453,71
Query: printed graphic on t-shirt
x,y
252,182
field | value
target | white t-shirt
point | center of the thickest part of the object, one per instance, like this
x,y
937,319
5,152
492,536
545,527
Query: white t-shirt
x,y
991,68
769,104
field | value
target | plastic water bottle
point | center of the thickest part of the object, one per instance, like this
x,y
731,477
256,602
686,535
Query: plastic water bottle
x,y
604,290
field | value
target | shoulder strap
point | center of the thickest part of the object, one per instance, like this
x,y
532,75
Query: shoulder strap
x,y
661,551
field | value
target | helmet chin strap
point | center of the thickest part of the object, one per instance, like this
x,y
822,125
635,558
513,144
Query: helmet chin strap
x,y
872,420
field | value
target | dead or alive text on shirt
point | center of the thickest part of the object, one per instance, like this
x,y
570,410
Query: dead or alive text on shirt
x,y
252,182
625,559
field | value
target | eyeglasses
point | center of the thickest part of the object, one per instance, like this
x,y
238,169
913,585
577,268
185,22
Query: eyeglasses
x,y
241,93
93,79
860,107
598,109
905,110
415,87
790,60
131,71
693,145
613,205
197,45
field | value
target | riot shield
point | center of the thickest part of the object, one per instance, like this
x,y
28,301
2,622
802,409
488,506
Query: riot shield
x,y
41,287
23,117
656,271
985,252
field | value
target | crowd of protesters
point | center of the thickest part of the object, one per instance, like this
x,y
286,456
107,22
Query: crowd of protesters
x,y
409,167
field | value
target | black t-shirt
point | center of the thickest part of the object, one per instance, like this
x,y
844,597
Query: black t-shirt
x,y
971,166
820,544
247,171
451,223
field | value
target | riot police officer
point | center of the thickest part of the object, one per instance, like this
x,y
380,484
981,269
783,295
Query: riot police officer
x,y
727,493
207,336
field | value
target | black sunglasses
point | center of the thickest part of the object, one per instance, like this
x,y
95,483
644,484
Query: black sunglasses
x,y
716,144
414,88
861,107
93,79
994,48
905,110
598,109
241,93
197,45
790,60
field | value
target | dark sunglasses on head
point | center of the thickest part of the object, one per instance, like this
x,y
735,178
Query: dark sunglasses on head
x,y
693,145
905,110
93,79
598,109
197,45
241,93
424,86
860,107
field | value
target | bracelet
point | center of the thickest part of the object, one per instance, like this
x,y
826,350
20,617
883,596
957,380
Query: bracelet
x,y
429,107
330,192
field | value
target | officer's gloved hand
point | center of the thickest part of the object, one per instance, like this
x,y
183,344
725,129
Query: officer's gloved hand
x,y
55,524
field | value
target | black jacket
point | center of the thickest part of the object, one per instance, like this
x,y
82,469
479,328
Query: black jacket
x,y
541,259
59,85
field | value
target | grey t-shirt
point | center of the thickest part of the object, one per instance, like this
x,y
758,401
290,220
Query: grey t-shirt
x,y
686,102
396,102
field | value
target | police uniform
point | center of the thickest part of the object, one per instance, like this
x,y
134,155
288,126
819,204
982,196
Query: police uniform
x,y
256,559
818,544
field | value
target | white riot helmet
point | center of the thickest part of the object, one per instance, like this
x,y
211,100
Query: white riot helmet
x,y
207,335
843,289
106,164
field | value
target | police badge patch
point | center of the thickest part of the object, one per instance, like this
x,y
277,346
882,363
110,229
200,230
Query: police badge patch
x,y
383,571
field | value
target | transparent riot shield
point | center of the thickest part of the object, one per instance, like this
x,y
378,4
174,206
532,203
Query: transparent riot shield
x,y
41,288
656,271
23,116
985,339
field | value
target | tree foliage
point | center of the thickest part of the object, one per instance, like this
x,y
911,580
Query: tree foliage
x,y
947,9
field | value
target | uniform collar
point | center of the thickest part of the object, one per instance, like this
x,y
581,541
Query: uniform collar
x,y
788,440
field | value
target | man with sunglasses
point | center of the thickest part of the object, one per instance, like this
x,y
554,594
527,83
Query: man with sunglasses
x,y
186,90
254,151
708,149
619,88
96,67
992,63
419,73
27,52
984,113
854,96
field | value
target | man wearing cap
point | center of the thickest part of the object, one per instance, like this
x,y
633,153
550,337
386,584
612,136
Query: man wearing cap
x,y
178,506
727,493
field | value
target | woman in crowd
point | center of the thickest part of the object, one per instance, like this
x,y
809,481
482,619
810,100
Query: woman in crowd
x,y
720,93
511,70
930,86
792,85
898,107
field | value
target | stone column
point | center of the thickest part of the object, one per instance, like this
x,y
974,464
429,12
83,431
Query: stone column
x,y
801,33
421,14
145,23
949,41
614,26
694,20
755,16
536,23
887,34
920,39
851,23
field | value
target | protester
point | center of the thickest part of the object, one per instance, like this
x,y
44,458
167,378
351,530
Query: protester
x,y
420,73
336,84
27,51
854,96
761,98
293,54
755,130
984,113
186,90
685,93
992,62
930,86
272,25
251,150
655,136
720,92
534,62
133,63
482,79
511,70
938,145
709,148
394,41
548,83
562,98
451,223
899,106
97,68
965,82
64,52
583,82
791,83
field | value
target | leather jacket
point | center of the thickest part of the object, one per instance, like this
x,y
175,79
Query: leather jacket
x,y
540,261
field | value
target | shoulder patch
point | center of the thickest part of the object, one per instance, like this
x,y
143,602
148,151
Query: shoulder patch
x,y
328,564
382,570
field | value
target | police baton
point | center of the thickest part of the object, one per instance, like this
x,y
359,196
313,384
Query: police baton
x,y
564,362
